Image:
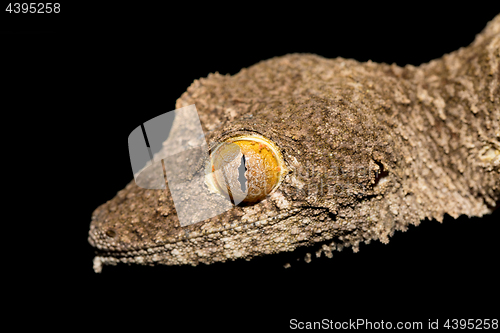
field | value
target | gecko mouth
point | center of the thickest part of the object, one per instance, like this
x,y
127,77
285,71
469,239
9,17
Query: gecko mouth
x,y
107,256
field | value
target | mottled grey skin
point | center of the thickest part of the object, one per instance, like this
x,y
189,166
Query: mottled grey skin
x,y
370,149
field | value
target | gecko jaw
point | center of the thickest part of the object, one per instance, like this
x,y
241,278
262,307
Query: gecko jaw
x,y
154,254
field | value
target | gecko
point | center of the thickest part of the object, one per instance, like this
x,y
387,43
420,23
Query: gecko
x,y
362,150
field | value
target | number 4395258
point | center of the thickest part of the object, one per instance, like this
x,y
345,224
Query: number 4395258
x,y
34,8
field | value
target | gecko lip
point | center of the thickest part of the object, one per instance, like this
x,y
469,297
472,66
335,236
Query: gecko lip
x,y
110,254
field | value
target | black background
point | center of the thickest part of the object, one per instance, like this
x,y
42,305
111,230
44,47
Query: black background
x,y
75,86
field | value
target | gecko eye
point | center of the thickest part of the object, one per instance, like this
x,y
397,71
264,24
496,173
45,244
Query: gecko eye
x,y
245,169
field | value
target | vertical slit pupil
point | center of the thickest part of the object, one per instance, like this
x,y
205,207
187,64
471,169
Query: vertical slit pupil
x,y
241,177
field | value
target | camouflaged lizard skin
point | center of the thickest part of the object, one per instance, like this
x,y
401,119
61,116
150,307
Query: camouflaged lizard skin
x,y
370,148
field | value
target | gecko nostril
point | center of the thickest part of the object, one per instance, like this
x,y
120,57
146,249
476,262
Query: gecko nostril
x,y
111,233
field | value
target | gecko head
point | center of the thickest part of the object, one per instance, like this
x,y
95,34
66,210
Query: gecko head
x,y
309,171
143,226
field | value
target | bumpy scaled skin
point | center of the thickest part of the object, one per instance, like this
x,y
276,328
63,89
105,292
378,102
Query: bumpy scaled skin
x,y
370,149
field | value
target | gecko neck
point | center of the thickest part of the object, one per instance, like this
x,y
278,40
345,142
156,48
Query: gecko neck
x,y
455,114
